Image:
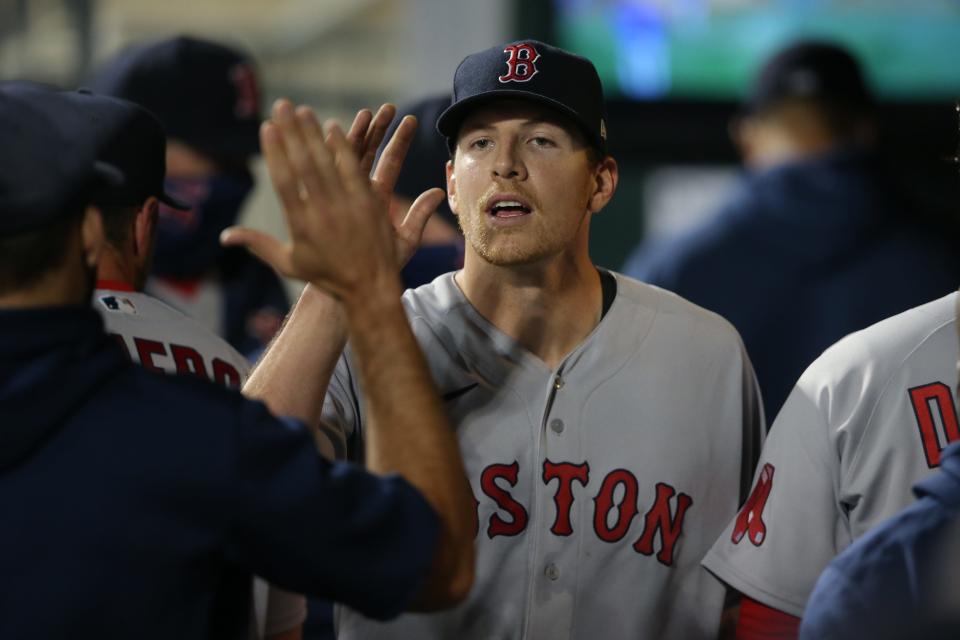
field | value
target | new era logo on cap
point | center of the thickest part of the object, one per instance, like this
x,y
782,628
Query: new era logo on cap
x,y
533,71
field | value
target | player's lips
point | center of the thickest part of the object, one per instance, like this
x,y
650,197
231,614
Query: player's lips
x,y
508,207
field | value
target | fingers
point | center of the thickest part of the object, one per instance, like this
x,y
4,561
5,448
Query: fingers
x,y
391,160
351,175
411,229
377,130
310,156
358,131
285,182
264,246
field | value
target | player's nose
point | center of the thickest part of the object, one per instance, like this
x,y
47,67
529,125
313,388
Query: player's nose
x,y
508,162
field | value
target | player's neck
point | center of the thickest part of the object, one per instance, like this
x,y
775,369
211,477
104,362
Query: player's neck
x,y
547,308
113,268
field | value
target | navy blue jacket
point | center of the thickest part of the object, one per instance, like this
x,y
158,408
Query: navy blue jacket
x,y
802,255
139,505
894,581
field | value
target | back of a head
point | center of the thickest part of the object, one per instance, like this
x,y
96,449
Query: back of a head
x,y
205,94
51,174
817,80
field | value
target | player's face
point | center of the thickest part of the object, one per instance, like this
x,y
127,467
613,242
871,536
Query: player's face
x,y
523,184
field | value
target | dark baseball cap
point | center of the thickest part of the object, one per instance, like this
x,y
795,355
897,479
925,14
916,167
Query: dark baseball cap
x,y
204,93
811,69
425,165
534,71
49,158
130,138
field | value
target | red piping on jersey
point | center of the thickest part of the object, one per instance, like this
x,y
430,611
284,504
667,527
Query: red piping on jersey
x,y
188,288
760,622
115,285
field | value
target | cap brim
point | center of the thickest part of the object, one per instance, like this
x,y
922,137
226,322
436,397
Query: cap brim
x,y
450,120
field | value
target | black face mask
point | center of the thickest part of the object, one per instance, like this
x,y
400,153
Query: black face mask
x,y
188,242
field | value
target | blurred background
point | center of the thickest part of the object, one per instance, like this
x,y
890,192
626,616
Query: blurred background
x,y
674,72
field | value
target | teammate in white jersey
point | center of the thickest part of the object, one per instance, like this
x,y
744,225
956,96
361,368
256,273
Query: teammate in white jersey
x,y
606,425
152,333
864,423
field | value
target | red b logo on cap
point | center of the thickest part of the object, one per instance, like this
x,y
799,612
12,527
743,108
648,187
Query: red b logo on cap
x,y
521,63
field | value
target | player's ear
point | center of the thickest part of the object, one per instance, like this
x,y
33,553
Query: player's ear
x,y
92,236
606,175
452,188
145,226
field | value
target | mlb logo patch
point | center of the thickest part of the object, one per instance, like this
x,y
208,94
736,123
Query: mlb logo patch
x,y
118,303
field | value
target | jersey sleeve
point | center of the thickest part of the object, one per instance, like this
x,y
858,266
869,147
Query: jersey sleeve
x,y
785,533
341,416
328,529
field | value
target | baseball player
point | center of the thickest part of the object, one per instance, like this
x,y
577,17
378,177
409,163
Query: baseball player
x,y
865,422
140,504
605,424
150,332
207,97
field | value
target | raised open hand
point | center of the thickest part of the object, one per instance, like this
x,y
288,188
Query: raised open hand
x,y
341,239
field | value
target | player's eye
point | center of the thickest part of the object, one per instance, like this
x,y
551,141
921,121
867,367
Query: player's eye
x,y
541,141
481,143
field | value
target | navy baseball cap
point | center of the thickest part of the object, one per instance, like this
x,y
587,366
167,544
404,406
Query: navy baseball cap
x,y
811,69
130,138
204,93
534,71
49,158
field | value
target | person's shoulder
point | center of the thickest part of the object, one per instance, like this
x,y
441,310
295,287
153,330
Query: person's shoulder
x,y
890,344
677,311
433,300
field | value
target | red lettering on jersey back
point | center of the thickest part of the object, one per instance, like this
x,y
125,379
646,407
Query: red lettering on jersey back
x,y
750,519
521,63
188,361
146,349
566,473
938,394
225,374
476,515
659,519
604,501
498,526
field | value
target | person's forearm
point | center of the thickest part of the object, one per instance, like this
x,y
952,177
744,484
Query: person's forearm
x,y
408,432
293,374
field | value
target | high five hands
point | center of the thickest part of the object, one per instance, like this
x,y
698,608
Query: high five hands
x,y
341,238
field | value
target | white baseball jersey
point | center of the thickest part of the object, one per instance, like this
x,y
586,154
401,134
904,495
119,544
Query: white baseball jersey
x,y
162,339
600,484
865,422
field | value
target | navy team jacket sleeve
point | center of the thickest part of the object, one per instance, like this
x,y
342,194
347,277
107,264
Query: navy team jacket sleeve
x,y
327,529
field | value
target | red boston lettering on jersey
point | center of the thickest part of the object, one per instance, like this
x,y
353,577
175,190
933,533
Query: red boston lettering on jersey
x,y
521,63
188,361
659,519
604,502
498,526
225,374
566,473
925,398
146,349
750,519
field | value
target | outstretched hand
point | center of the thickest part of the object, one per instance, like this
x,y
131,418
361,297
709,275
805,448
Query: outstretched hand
x,y
341,239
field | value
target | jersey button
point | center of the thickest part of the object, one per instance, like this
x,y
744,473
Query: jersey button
x,y
552,571
557,425
558,383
